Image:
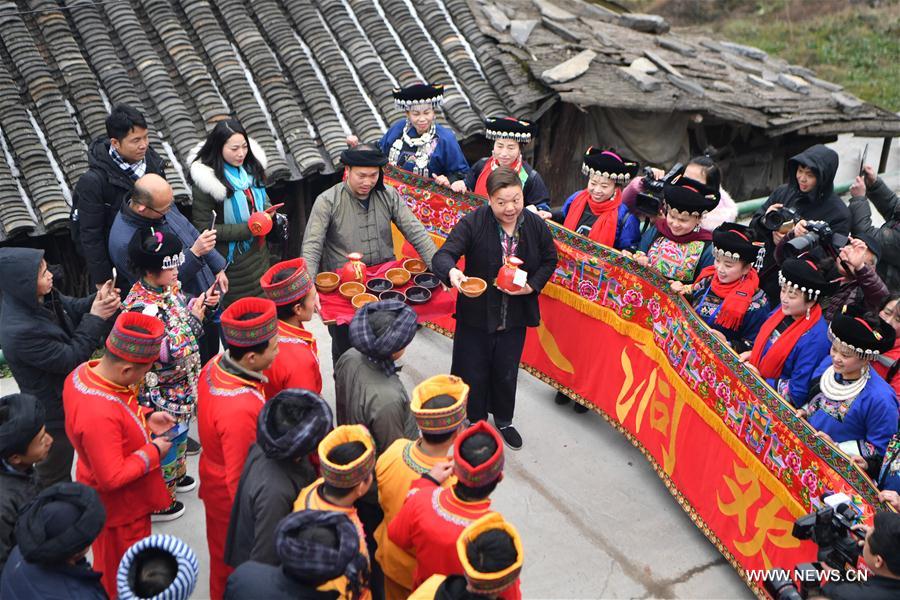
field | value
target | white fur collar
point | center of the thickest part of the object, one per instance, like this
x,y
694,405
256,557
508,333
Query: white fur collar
x,y
205,178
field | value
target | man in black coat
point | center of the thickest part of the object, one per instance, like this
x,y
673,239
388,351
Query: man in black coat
x,y
490,329
809,192
318,553
54,534
23,441
115,163
44,335
289,428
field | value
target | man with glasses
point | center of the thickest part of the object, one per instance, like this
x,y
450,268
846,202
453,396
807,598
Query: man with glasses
x,y
151,204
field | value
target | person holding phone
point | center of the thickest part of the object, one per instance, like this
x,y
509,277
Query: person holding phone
x,y
120,444
171,383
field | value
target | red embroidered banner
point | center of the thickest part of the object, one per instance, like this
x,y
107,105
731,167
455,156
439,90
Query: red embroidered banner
x,y
729,448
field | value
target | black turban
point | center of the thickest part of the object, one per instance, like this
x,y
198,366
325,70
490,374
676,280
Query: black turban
x,y
364,155
21,418
61,521
310,560
292,424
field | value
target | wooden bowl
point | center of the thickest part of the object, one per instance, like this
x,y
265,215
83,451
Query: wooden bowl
x,y
361,300
417,295
350,289
429,281
473,287
399,277
415,265
392,295
327,282
376,285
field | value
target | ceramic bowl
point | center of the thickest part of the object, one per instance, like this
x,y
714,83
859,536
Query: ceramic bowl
x,y
418,295
350,289
473,287
415,265
397,276
361,300
392,295
429,281
376,285
327,282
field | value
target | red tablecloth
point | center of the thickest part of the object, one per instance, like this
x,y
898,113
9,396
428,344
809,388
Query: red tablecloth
x,y
337,310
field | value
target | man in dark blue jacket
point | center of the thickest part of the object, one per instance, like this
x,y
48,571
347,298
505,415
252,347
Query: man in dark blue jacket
x,y
151,204
54,534
44,335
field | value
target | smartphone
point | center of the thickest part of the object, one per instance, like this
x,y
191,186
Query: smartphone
x,y
212,224
862,161
175,431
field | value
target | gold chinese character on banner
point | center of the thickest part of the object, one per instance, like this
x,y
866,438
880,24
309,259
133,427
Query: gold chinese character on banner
x,y
756,529
654,392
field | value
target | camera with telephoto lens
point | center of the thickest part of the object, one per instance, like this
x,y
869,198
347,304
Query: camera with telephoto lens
x,y
830,529
649,201
818,233
781,219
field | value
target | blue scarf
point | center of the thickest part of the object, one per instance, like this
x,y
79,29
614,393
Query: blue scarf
x,y
236,209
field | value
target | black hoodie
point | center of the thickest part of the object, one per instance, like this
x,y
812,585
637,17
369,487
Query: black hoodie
x,y
43,340
96,200
821,203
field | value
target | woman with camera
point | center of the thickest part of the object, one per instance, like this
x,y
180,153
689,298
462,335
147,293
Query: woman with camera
x,y
793,340
675,245
597,211
849,403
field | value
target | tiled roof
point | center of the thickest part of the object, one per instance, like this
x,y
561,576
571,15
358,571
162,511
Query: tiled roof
x,y
302,74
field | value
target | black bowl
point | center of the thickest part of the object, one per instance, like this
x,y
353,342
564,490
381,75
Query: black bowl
x,y
429,281
417,295
378,285
392,295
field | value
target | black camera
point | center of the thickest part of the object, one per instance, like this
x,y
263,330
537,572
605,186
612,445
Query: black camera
x,y
829,529
781,586
650,199
780,220
818,233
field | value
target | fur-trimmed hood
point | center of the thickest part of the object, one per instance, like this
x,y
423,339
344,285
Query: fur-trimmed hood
x,y
205,178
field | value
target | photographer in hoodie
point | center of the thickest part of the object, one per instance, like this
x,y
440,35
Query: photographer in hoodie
x,y
807,195
44,335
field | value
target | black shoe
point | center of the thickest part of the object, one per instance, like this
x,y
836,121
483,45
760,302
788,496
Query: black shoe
x,y
170,514
511,437
580,408
193,447
561,399
185,484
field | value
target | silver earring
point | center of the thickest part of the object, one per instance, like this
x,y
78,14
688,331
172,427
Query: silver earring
x,y
807,313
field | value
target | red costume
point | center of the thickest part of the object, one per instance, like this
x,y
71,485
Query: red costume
x,y
297,363
432,519
109,431
228,404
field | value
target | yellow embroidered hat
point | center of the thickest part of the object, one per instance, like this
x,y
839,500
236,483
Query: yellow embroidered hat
x,y
468,549
356,471
440,420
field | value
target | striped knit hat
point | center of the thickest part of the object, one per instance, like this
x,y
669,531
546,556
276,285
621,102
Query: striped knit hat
x,y
440,420
290,289
249,332
136,337
181,587
354,473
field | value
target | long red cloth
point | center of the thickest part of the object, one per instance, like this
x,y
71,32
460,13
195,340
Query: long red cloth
x,y
604,229
338,310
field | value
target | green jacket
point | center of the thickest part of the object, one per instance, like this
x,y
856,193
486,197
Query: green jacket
x,y
340,224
